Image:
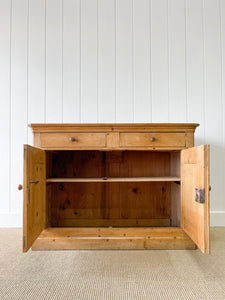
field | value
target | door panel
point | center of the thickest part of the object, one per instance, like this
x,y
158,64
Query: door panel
x,y
34,195
194,215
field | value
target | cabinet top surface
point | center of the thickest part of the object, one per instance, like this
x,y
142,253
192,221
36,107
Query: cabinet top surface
x,y
176,127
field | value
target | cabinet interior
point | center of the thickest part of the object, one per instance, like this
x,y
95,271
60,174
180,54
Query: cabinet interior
x,y
113,188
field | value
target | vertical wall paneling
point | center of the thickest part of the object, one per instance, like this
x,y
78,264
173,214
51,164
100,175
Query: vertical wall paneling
x,y
110,61
213,89
36,64
195,66
159,61
124,61
18,97
5,23
223,80
71,61
141,61
89,48
177,60
106,60
54,16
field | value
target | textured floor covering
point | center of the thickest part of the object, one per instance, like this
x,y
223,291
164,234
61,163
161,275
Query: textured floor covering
x,y
111,274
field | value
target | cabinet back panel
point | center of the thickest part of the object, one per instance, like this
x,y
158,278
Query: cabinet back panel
x,y
175,164
87,164
138,164
75,164
110,204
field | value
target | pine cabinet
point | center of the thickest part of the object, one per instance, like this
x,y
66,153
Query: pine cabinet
x,y
115,186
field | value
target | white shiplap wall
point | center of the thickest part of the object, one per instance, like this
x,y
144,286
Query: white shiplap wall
x,y
110,61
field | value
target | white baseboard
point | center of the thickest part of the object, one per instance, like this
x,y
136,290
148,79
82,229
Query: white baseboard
x,y
217,218
14,219
10,219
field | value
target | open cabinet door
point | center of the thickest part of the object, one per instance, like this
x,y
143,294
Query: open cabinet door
x,y
34,195
195,195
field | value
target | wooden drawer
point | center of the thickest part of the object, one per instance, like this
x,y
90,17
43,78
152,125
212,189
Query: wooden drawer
x,y
152,139
73,140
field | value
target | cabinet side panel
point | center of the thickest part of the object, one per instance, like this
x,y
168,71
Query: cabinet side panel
x,y
49,196
37,140
175,204
189,136
175,164
175,189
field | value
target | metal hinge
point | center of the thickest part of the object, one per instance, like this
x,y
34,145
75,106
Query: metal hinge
x,y
200,195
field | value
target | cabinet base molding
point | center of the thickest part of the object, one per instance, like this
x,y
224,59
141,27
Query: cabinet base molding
x,y
126,238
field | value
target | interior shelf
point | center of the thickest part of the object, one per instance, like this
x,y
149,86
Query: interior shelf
x,y
115,179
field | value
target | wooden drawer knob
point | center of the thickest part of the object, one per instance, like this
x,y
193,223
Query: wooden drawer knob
x,y
20,187
73,139
152,139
